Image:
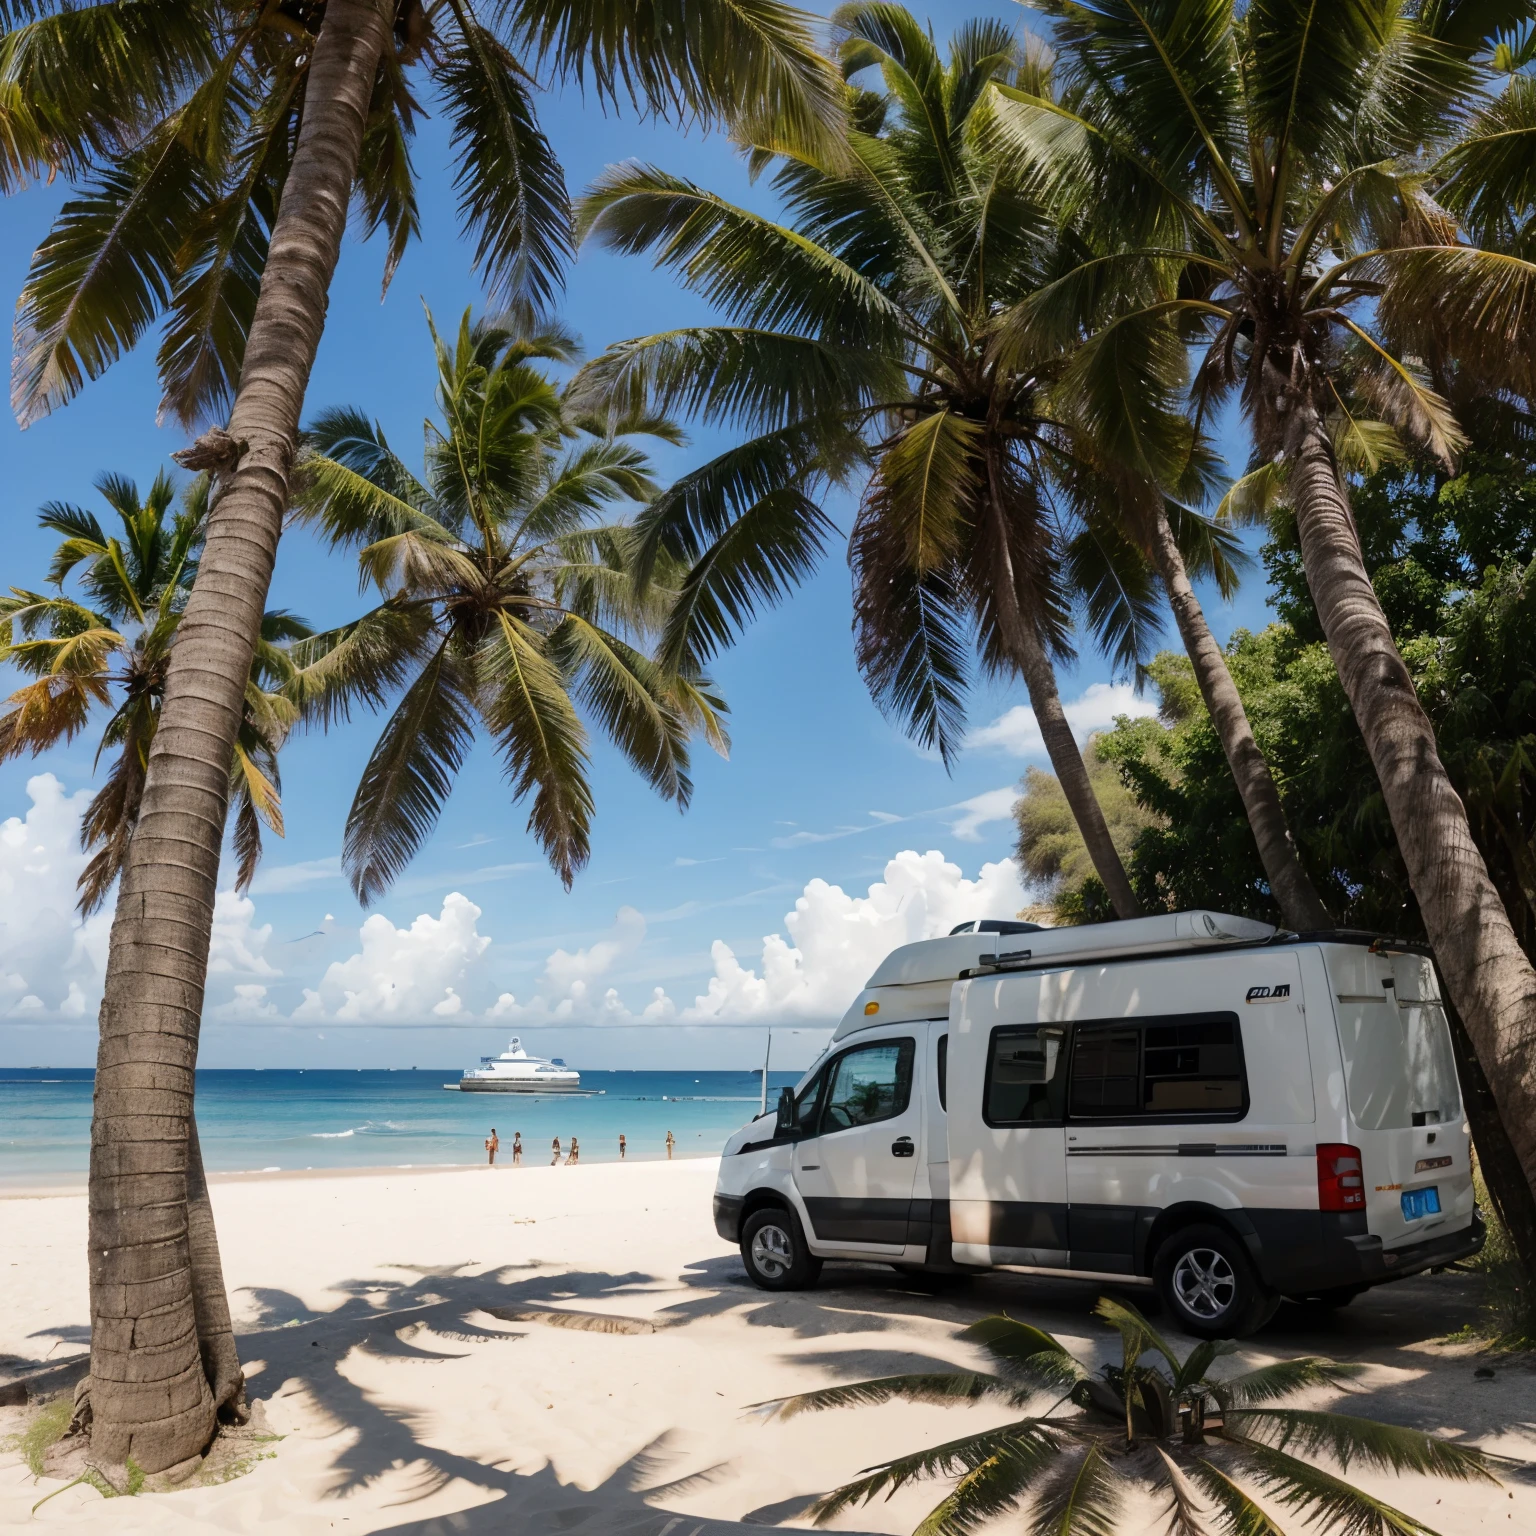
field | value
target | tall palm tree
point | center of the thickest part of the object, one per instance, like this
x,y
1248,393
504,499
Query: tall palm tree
x,y
860,344
1263,167
1203,1444
125,90
109,649
505,605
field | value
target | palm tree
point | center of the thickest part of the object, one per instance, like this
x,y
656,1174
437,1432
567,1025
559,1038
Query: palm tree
x,y
1206,1445
1261,170
110,649
860,342
272,99
505,604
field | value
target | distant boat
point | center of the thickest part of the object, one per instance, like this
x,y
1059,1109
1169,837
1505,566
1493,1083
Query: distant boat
x,y
515,1071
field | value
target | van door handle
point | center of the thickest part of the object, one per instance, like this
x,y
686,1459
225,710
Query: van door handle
x,y
902,1147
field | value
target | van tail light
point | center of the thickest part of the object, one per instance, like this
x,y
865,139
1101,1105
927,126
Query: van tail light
x,y
1340,1177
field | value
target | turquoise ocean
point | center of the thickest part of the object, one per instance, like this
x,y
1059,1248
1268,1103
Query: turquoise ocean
x,y
292,1120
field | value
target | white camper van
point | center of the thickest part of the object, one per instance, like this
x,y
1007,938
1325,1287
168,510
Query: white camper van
x,y
1193,1102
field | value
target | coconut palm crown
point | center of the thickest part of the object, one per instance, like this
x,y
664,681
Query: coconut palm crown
x,y
507,604
177,121
860,344
109,649
1211,1446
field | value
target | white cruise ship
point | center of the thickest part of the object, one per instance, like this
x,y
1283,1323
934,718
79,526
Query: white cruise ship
x,y
515,1071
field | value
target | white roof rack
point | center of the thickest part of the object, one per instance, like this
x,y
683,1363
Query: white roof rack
x,y
943,959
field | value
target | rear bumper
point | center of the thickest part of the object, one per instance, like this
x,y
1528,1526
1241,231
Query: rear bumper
x,y
728,1217
1337,1252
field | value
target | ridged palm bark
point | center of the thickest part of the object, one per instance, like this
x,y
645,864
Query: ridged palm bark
x,y
150,1396
1300,906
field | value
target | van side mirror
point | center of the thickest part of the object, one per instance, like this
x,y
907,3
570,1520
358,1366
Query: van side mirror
x,y
786,1121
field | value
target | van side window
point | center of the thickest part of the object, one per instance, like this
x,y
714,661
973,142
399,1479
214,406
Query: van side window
x,y
1026,1076
943,1072
808,1104
869,1084
1181,1067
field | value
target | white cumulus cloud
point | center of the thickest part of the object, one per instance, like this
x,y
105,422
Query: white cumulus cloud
x,y
1018,732
836,940
401,974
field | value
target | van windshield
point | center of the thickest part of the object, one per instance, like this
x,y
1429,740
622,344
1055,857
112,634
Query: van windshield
x,y
1398,1063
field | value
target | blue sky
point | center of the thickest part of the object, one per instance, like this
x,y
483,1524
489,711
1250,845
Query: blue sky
x,y
819,791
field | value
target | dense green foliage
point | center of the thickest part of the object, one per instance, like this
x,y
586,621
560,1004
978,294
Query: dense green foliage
x,y
1454,563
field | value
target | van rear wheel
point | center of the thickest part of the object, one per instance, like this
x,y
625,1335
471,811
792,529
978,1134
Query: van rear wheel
x,y
774,1250
1208,1284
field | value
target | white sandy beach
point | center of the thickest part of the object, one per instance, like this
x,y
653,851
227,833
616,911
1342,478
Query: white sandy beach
x,y
568,1351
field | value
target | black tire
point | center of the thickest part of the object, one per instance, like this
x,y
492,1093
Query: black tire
x,y
774,1251
1208,1285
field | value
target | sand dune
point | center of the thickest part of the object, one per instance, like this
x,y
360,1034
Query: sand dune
x,y
567,1352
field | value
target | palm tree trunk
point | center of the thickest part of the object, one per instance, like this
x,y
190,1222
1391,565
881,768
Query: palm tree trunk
x,y
149,1393
1489,977
1023,644
210,1300
1071,771
1300,906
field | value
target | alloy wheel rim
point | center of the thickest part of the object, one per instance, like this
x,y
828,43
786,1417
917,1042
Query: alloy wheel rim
x,y
771,1252
1205,1283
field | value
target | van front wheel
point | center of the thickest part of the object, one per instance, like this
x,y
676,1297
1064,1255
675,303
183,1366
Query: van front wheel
x,y
1208,1284
773,1249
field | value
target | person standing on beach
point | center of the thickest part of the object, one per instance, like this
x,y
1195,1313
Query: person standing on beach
x,y
671,1142
554,1148
517,1149
492,1146
575,1154
622,1148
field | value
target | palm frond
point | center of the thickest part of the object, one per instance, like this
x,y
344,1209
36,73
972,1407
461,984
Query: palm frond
x,y
746,62
765,551
1266,1383
1235,1508
1185,1516
1350,1441
944,1388
762,273
746,375
1080,1495
1323,1499
361,662
911,640
628,694
1398,393
1028,1444
408,775
1008,1477
542,742
1488,176
103,274
511,188
1478,307
1026,1353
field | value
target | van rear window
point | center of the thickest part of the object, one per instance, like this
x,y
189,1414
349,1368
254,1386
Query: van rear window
x,y
1167,1067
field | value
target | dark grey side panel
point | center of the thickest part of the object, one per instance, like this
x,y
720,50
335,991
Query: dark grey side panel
x,y
859,1221
1027,1224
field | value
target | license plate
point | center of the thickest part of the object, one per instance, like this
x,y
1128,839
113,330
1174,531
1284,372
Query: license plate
x,y
1418,1203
